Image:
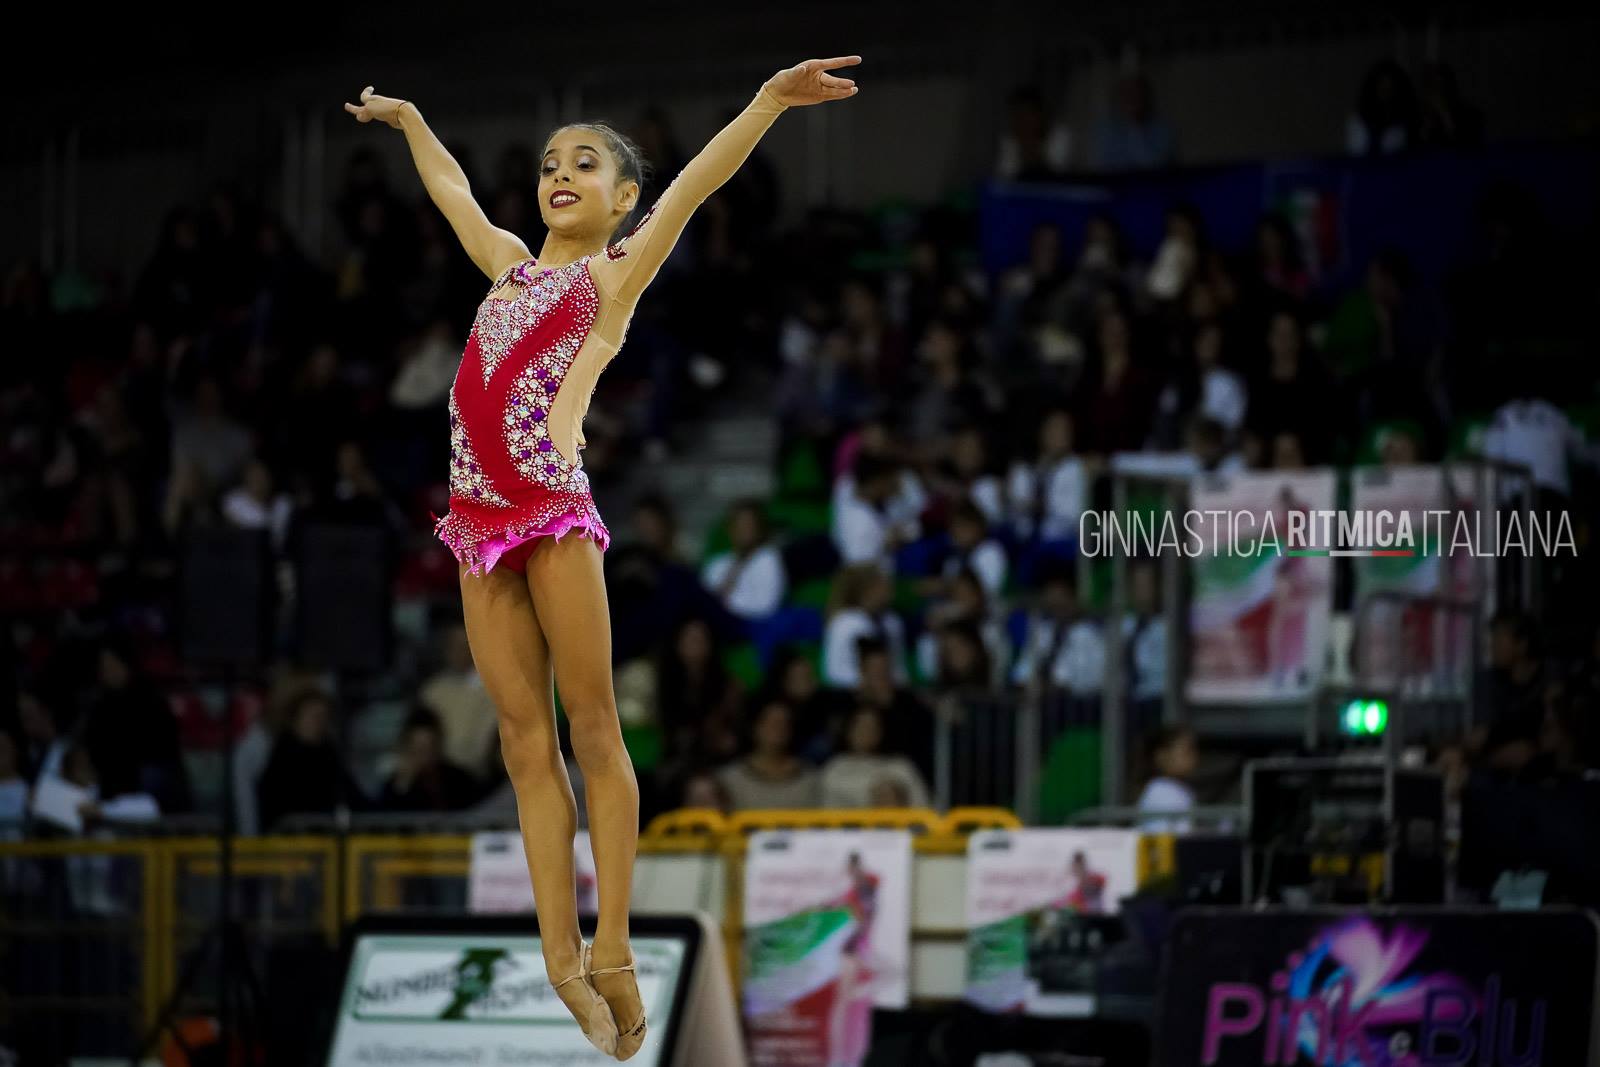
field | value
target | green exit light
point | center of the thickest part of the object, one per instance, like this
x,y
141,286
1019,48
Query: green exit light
x,y
1365,718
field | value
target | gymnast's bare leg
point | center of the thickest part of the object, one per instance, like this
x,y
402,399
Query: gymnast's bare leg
x,y
513,657
567,583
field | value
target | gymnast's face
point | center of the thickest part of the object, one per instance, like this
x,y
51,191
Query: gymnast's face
x,y
579,194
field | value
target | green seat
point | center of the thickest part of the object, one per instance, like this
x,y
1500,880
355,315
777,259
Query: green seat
x,y
744,663
1069,777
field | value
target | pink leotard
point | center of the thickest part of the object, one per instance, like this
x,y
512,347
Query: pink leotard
x,y
538,345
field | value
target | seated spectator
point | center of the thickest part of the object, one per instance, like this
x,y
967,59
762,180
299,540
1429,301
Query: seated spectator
x,y
962,662
1133,138
702,789
1035,145
860,607
769,775
748,578
1046,494
306,774
1180,255
819,712
1511,693
423,779
651,590
908,720
79,770
467,716
967,474
850,778
697,700
1291,394
132,734
1063,647
1208,442
1208,388
968,605
974,549
1166,800
866,528
1385,118
254,504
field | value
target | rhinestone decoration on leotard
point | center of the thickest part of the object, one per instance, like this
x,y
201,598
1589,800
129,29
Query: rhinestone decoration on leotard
x,y
527,417
466,473
502,323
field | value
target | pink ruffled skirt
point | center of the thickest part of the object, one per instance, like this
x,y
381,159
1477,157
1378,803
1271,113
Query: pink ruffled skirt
x,y
480,538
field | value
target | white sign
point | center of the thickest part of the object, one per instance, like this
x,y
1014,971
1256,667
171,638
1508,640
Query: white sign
x,y
498,880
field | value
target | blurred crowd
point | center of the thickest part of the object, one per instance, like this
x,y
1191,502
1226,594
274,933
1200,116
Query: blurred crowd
x,y
941,431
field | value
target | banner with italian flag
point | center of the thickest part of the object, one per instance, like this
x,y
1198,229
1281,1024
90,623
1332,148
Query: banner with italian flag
x,y
1260,610
1403,636
827,917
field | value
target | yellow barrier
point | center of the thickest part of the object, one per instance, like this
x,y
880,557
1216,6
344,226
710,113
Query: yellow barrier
x,y
304,873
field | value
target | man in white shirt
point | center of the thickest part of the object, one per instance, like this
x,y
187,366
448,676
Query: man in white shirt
x,y
864,612
873,512
973,548
749,578
1062,648
1539,435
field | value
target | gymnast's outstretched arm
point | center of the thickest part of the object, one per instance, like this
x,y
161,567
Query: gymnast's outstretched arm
x,y
628,267
490,247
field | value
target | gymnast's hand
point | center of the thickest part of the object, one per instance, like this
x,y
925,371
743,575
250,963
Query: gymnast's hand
x,y
382,108
809,82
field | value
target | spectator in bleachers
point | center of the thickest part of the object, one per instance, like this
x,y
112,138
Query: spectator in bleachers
x,y
1290,394
1208,442
1511,693
1277,268
865,527
697,699
947,393
467,717
972,548
1133,137
907,718
1172,754
1117,414
748,578
702,789
819,712
650,589
252,751
850,778
210,443
860,606
1035,145
967,603
423,779
254,504
1385,119
967,473
1288,451
1145,642
1063,647
962,661
1207,386
1027,295
769,775
1047,492
1180,255
131,733
306,774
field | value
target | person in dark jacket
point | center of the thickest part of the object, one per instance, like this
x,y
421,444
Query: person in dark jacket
x,y
306,774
